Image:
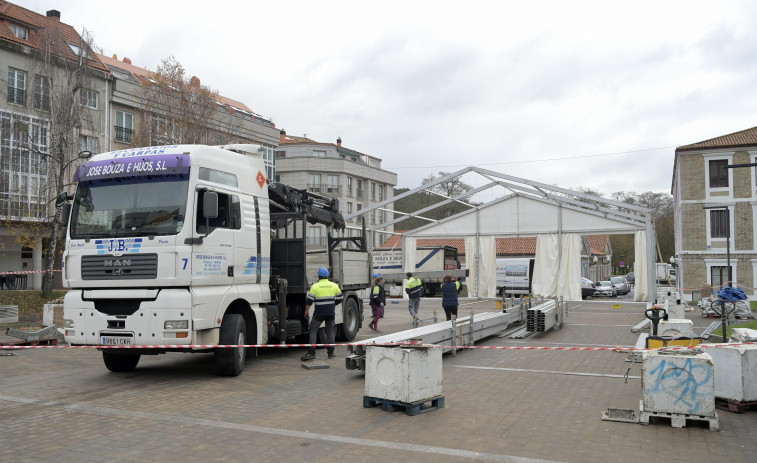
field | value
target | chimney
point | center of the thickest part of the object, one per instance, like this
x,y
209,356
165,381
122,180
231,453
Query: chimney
x,y
194,82
53,14
339,141
127,60
282,136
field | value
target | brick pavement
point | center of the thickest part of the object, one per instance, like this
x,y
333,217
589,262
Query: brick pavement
x,y
511,405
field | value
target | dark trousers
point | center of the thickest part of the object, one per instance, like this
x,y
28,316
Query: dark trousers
x,y
449,311
376,315
315,324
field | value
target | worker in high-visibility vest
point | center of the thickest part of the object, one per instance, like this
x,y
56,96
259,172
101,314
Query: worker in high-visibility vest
x,y
325,295
414,288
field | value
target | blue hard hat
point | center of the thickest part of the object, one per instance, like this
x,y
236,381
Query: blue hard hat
x,y
375,275
323,272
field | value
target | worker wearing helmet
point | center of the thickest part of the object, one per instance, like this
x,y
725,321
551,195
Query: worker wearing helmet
x,y
413,288
325,295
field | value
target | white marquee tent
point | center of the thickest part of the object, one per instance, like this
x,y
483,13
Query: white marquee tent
x,y
556,216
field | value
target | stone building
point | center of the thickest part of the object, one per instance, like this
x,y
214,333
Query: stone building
x,y
714,207
40,58
354,178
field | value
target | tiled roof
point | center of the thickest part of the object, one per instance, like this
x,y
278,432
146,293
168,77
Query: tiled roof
x,y
140,74
37,24
746,137
517,246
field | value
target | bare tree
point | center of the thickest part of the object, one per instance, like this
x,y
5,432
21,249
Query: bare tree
x,y
178,109
61,70
449,188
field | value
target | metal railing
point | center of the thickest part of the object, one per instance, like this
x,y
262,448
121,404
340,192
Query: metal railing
x,y
16,95
324,188
123,134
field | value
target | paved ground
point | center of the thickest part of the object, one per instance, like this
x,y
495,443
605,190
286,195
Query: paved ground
x,y
501,405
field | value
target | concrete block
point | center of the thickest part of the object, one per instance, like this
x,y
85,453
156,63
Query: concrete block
x,y
735,372
402,374
678,382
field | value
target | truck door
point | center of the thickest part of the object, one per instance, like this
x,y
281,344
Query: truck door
x,y
213,259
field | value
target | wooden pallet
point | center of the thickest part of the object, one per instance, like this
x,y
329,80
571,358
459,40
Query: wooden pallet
x,y
413,408
734,405
677,420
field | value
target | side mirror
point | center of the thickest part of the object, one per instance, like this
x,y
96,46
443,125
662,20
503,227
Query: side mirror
x,y
62,198
65,214
210,205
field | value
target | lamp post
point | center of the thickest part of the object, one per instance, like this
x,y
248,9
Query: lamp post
x,y
723,314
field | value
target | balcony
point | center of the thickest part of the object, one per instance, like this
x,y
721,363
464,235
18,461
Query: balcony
x,y
42,102
16,96
123,134
318,241
322,188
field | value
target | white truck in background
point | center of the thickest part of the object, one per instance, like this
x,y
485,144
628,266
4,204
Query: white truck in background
x,y
665,273
432,264
514,275
191,245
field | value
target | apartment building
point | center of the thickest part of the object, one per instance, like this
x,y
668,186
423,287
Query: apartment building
x,y
715,212
40,56
354,178
138,119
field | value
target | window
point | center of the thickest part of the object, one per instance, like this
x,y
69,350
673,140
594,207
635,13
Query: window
x,y
382,192
42,93
382,216
16,86
88,98
314,236
88,143
23,166
26,252
20,32
269,159
718,173
319,153
124,126
719,223
349,207
349,186
217,176
78,51
229,213
332,186
359,191
719,275
373,191
314,182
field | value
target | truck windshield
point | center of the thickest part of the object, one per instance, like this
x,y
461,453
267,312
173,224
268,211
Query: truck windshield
x,y
137,206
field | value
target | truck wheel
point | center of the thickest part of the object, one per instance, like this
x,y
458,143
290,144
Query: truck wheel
x,y
351,321
230,360
120,362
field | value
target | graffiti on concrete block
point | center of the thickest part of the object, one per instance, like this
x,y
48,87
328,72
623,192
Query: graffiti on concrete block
x,y
682,383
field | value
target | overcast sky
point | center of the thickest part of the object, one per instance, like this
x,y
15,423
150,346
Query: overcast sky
x,y
572,93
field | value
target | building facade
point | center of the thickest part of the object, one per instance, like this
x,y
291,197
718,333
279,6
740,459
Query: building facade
x,y
355,179
138,120
40,57
715,213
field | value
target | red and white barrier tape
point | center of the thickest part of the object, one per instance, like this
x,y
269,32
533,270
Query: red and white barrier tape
x,y
25,272
394,344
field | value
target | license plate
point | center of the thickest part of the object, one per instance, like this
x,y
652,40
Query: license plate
x,y
117,340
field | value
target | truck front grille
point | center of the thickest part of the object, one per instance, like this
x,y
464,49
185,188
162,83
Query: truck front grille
x,y
108,267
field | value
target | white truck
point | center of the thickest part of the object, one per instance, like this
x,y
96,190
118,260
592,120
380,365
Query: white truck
x,y
514,275
432,264
191,245
665,273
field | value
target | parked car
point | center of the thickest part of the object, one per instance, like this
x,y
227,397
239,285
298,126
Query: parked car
x,y
621,285
587,288
631,278
605,288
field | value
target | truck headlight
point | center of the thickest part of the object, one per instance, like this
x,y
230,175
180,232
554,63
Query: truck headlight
x,y
68,323
176,324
